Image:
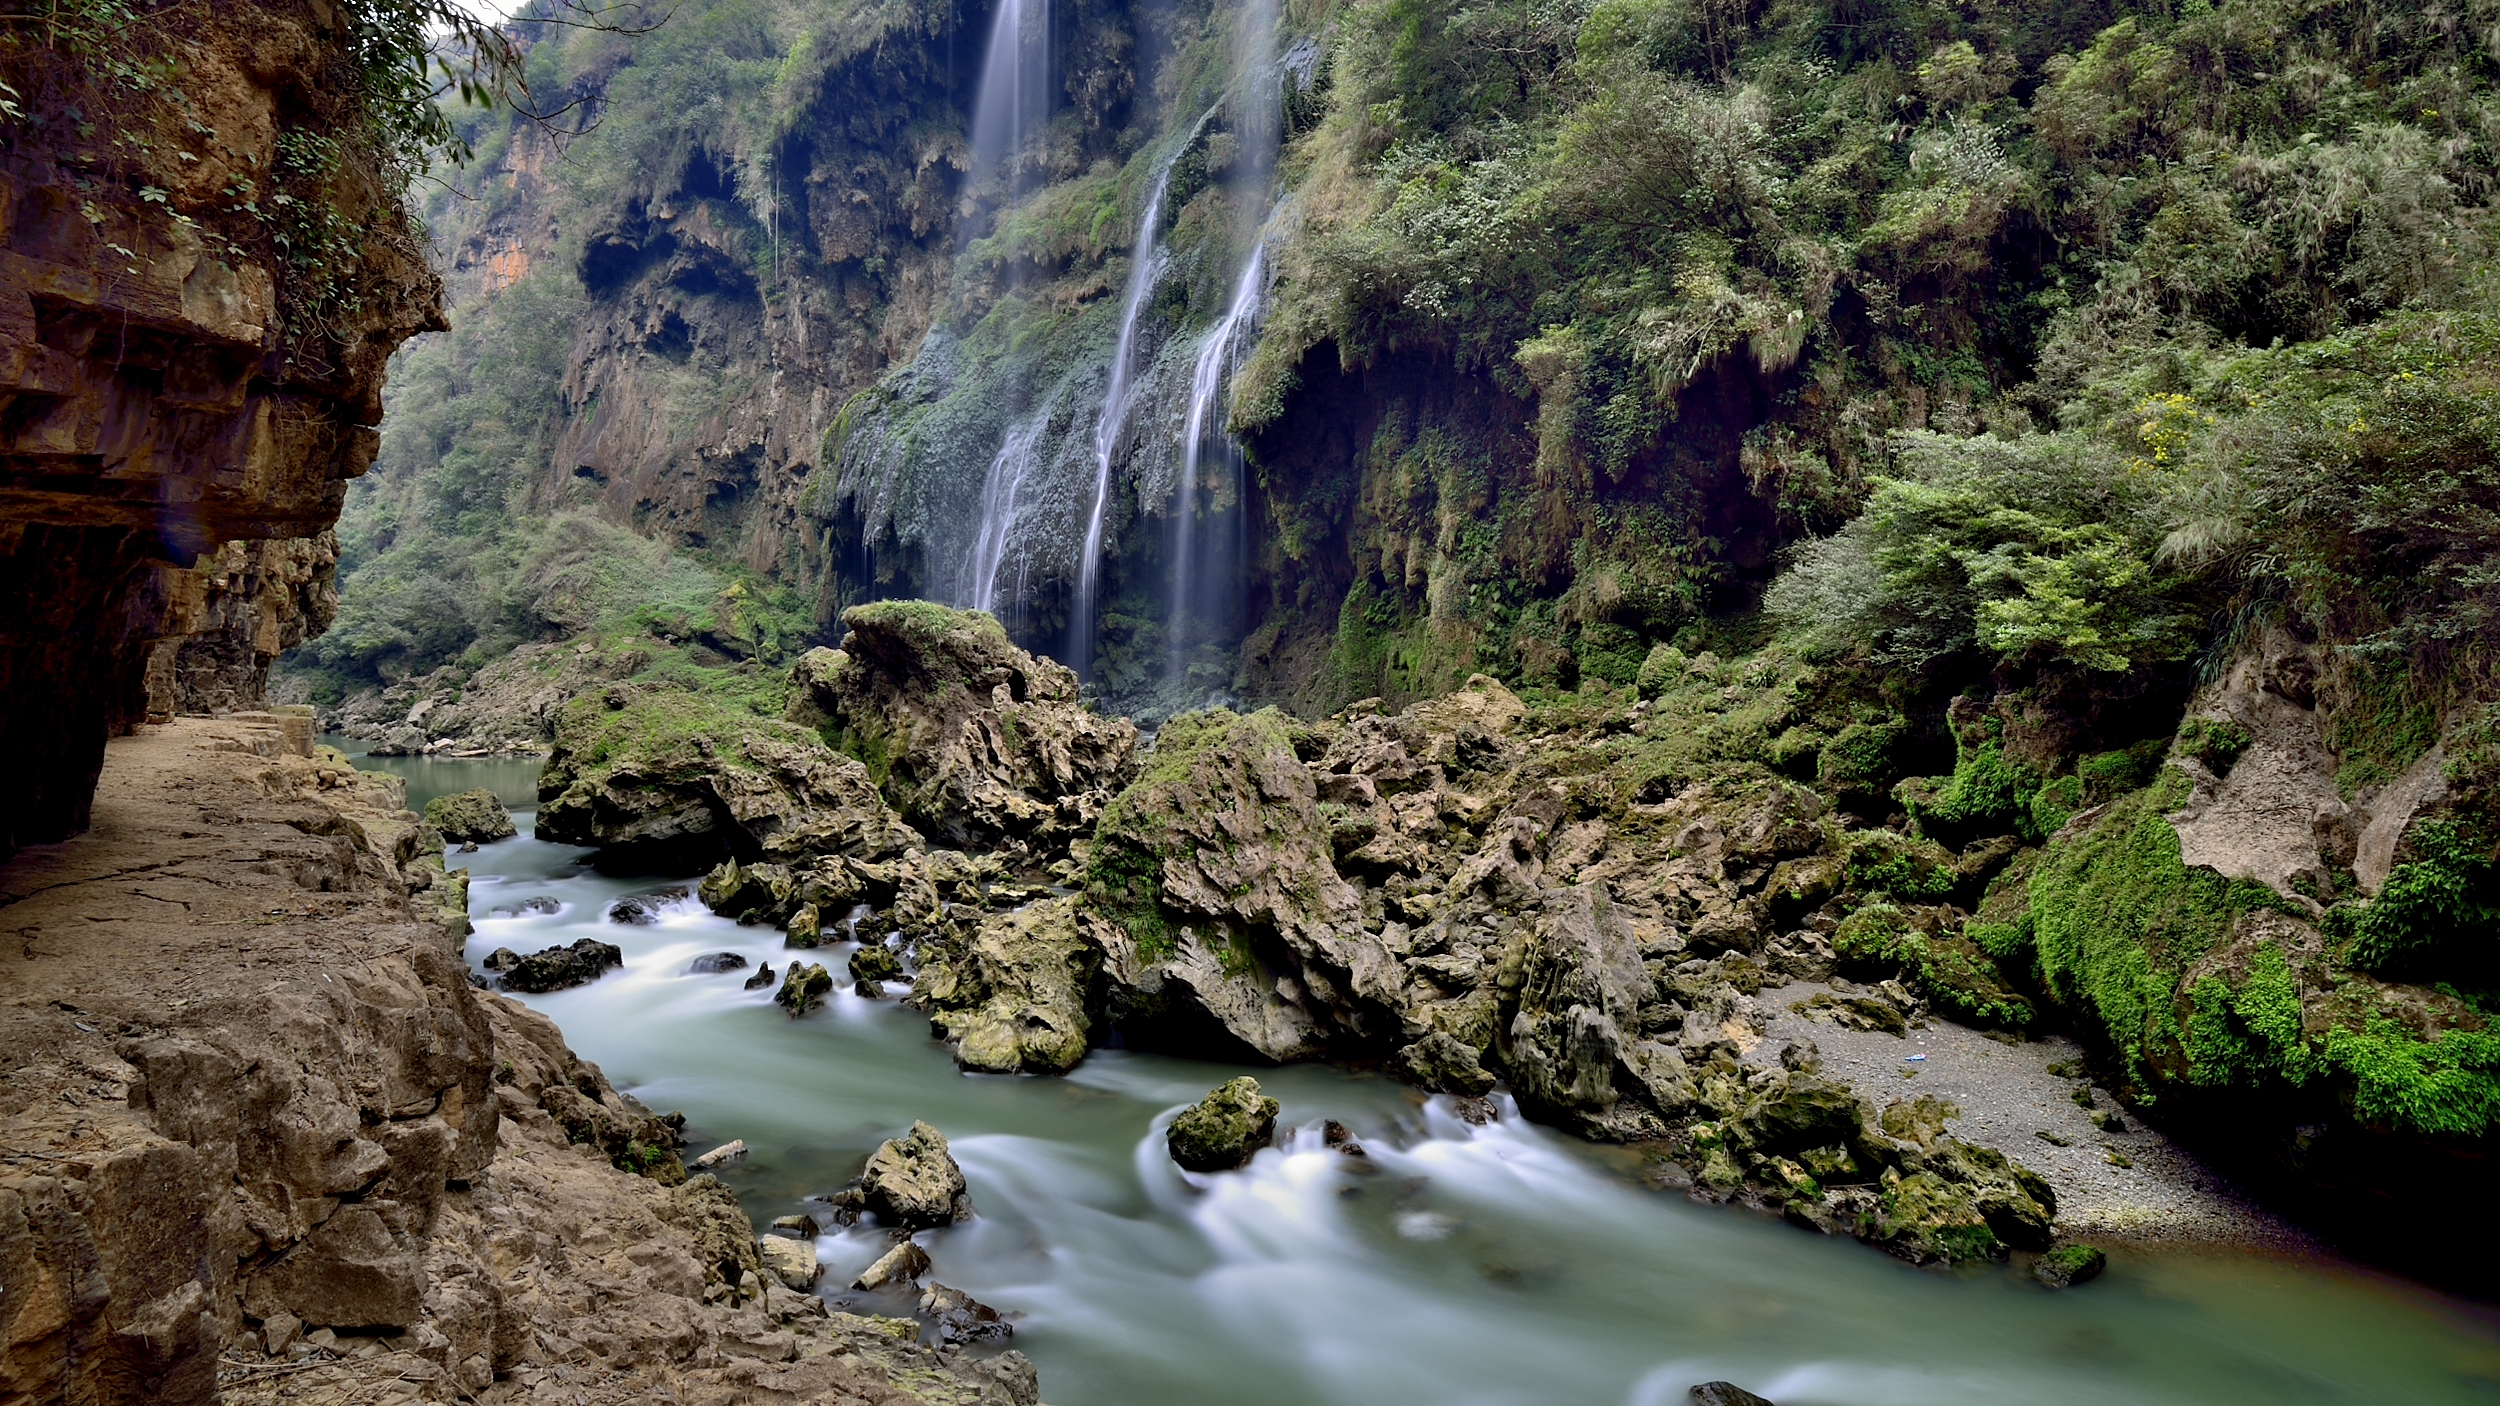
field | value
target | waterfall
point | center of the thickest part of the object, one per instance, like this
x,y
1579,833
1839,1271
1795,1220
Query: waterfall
x,y
1015,96
1208,381
1146,264
1000,489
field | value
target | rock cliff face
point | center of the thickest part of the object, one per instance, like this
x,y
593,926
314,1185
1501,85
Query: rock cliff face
x,y
168,386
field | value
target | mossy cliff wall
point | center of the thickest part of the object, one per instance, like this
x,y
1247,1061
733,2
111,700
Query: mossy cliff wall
x,y
174,378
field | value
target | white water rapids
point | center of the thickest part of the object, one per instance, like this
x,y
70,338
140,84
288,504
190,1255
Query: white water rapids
x,y
1454,1266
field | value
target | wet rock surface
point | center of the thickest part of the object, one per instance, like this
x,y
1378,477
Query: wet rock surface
x,y
910,1182
559,968
1223,1130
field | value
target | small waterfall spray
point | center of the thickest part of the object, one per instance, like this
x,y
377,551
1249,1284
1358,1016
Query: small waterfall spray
x,y
1000,488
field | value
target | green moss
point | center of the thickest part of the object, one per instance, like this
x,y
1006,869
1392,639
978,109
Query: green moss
x,y
2248,1035
1987,792
2217,742
2436,914
1881,861
2116,917
2447,1087
1861,758
1949,969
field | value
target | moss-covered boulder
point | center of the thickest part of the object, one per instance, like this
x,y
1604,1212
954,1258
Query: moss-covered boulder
x,y
1013,999
2069,1265
1222,1130
1930,948
471,817
1573,1013
1232,924
1443,1063
803,988
976,741
657,774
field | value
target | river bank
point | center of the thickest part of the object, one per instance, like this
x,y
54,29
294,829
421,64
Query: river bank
x,y
263,1140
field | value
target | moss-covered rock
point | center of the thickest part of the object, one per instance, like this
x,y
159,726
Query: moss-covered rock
x,y
2069,1265
803,988
1222,1130
656,774
912,1182
1445,1064
1930,949
1013,999
470,817
977,742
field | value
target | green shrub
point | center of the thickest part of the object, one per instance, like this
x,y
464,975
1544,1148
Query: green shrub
x,y
2438,914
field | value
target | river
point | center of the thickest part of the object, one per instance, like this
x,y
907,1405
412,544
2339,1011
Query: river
x,y
1455,1266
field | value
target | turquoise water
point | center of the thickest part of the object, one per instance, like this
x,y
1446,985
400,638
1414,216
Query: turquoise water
x,y
1484,1266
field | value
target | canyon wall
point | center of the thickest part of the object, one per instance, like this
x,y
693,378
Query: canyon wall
x,y
181,403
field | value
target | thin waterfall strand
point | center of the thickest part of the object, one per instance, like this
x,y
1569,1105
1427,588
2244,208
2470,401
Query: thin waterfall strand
x,y
1145,270
1207,381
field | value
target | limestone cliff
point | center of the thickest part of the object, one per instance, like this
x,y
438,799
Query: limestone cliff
x,y
183,366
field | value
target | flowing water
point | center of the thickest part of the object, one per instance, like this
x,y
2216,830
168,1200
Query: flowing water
x,y
1458,1265
1205,552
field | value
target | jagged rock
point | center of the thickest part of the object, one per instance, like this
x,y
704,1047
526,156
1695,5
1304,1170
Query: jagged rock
x,y
904,1264
803,988
1579,985
502,959
805,928
798,1227
642,910
1721,1393
471,817
960,1318
2069,1265
793,1262
714,963
912,1182
657,774
1222,1130
1234,927
556,968
763,893
1013,998
874,961
976,741
763,977
1445,1064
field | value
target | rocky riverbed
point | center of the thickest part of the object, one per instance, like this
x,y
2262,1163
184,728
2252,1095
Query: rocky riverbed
x,y
264,1138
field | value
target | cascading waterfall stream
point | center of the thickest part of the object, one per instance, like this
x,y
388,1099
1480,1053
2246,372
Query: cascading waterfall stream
x,y
1000,488
1145,270
1209,379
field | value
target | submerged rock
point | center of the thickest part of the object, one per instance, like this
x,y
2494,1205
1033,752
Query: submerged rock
x,y
798,1227
714,963
763,977
643,909
471,817
721,1156
2069,1265
1726,1394
803,988
912,1182
1222,1130
976,741
557,968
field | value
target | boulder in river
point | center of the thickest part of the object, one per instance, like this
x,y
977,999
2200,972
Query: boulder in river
x,y
2069,1265
976,741
904,1264
804,988
556,968
655,773
912,1182
798,1227
643,909
502,959
714,963
805,928
1222,1130
1726,1394
734,1150
793,1262
471,817
874,961
1013,997
763,977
